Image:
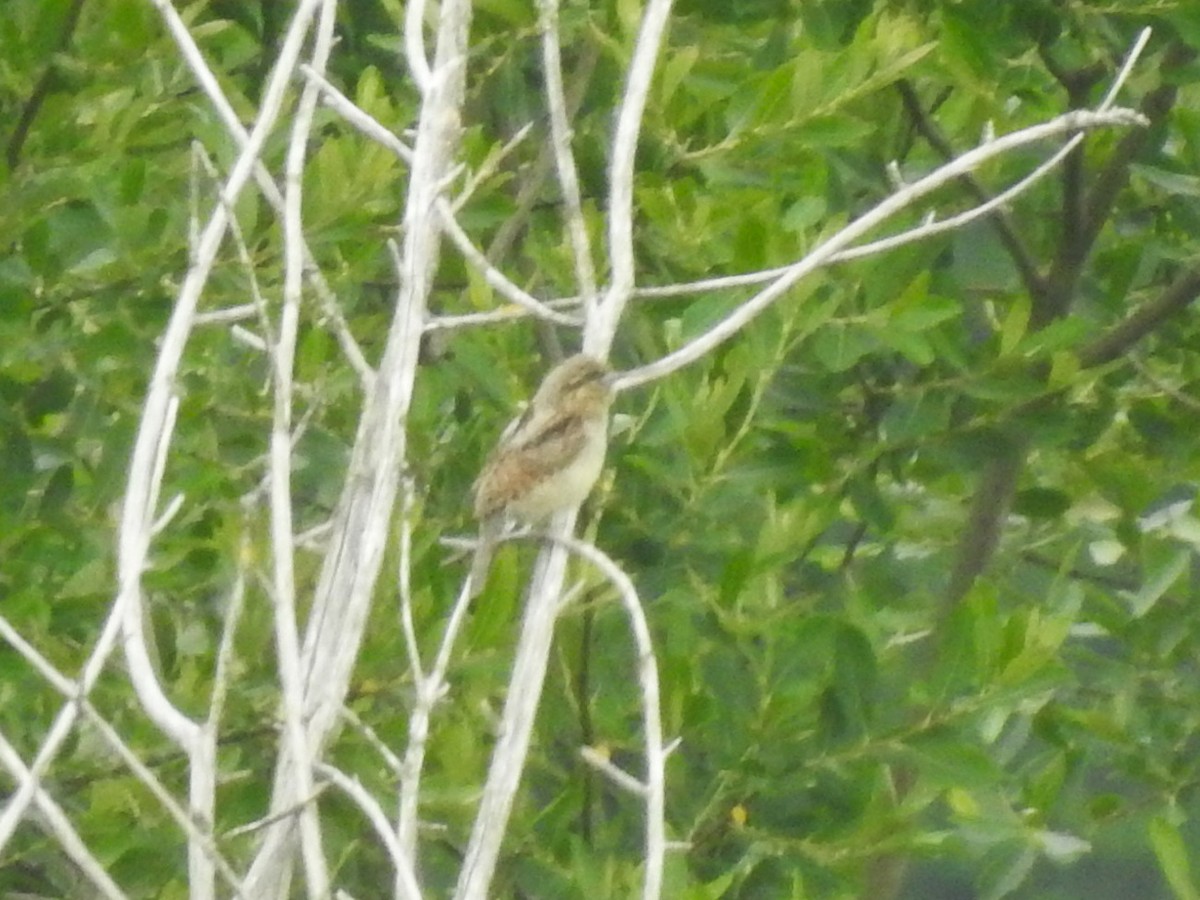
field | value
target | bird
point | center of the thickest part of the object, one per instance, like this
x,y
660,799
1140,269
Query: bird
x,y
549,459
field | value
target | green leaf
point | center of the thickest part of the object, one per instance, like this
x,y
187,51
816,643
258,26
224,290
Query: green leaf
x,y
1161,580
1171,182
1173,859
1015,325
840,345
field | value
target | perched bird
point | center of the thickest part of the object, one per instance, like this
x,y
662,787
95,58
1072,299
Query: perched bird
x,y
549,459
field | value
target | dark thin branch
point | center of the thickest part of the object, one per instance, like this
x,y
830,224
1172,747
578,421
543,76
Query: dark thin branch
x,y
1113,178
989,506
1076,237
1000,219
1086,213
16,142
1083,216
1079,82
1119,339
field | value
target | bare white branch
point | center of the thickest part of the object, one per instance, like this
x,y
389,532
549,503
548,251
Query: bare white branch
x,y
229,118
430,690
355,552
404,579
56,823
167,515
564,159
351,787
368,733
516,722
1080,120
647,676
283,592
618,776
601,327
71,690
493,276
414,44
60,729
238,313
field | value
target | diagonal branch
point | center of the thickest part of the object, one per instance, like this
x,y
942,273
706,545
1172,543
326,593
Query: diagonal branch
x,y
733,323
1000,219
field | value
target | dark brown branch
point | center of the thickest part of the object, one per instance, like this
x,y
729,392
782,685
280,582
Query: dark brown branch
x,y
1085,214
16,141
1155,106
1121,337
1078,82
989,505
1083,217
1000,219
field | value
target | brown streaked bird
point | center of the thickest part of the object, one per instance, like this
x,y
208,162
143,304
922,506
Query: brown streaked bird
x,y
550,459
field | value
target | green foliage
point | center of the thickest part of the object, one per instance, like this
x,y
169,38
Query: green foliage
x,y
796,510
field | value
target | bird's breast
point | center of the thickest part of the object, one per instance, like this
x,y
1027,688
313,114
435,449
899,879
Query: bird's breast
x,y
568,485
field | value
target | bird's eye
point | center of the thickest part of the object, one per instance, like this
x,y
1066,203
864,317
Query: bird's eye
x,y
585,378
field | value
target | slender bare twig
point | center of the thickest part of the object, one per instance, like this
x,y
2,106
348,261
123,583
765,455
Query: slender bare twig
x,y
533,648
404,578
618,776
1070,122
280,474
414,45
654,787
564,160
336,622
230,314
281,815
72,691
490,166
379,822
429,690
60,728
55,821
601,327
493,276
233,125
516,722
371,737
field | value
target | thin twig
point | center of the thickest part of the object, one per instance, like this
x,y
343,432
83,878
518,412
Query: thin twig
x,y
113,739
379,822
564,160
602,326
429,690
618,776
1070,122
283,593
647,676
366,124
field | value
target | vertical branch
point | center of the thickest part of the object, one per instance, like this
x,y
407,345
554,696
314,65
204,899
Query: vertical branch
x,y
516,722
360,530
564,160
429,690
601,327
280,472
137,513
202,762
262,178
654,787
537,628
154,433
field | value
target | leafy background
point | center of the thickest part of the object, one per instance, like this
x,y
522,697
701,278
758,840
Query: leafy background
x,y
918,547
